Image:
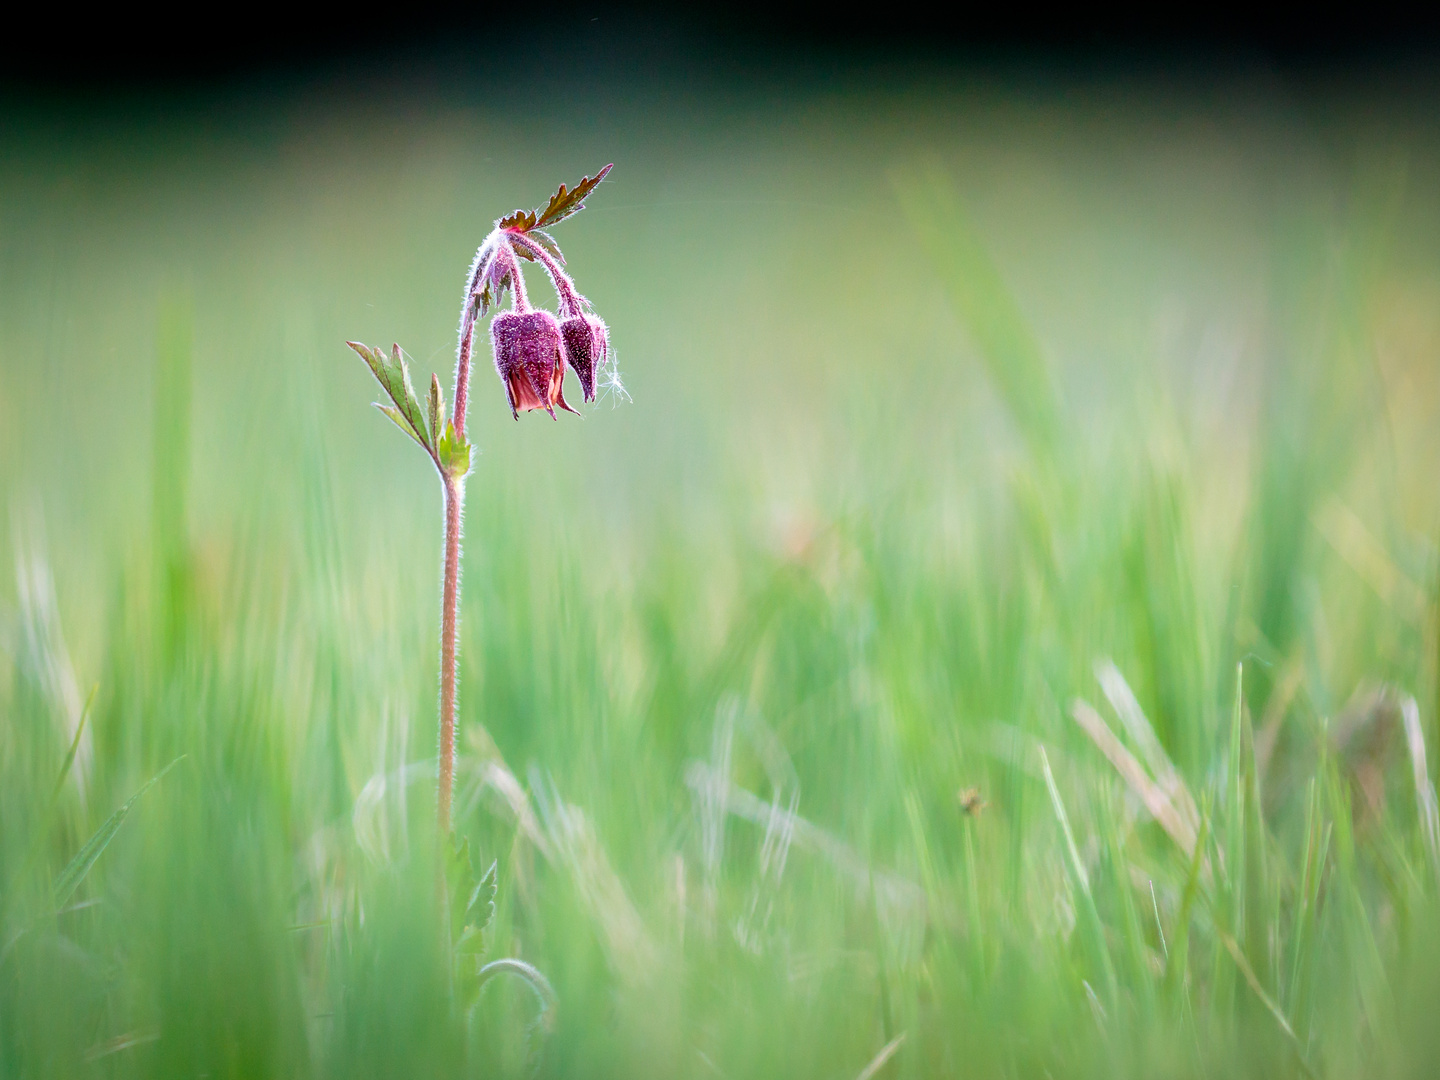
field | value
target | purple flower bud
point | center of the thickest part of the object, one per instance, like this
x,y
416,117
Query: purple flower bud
x,y
587,344
530,360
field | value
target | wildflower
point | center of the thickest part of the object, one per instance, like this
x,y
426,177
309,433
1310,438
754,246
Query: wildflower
x,y
587,344
530,356
530,359
533,347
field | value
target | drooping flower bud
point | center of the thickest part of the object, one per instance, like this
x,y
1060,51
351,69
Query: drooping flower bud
x,y
530,360
587,343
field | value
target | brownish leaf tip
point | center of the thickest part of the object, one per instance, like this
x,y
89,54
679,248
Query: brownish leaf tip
x,y
567,201
520,220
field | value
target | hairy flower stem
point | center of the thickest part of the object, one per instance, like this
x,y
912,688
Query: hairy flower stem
x,y
449,631
450,595
570,300
462,370
517,279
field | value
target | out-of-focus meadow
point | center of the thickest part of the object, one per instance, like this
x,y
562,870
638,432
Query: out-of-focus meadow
x,y
995,641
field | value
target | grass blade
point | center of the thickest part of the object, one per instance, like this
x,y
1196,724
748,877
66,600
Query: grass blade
x,y
69,879
1425,800
1154,797
74,745
1178,963
1253,981
1092,930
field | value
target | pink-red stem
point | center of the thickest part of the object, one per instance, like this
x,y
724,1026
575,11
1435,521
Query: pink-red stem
x,y
462,377
450,598
449,632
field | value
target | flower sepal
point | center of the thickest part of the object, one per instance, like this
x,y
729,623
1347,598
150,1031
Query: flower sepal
x,y
452,453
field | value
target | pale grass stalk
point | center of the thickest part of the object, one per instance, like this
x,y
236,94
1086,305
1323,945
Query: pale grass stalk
x,y
1425,799
1154,797
878,1061
1122,699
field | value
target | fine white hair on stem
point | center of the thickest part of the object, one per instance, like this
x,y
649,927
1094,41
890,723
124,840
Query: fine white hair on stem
x,y
571,302
478,268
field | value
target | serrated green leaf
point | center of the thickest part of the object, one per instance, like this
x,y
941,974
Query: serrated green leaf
x,y
410,405
368,355
399,418
393,375
459,879
437,410
471,941
566,202
69,879
473,921
452,455
481,908
461,887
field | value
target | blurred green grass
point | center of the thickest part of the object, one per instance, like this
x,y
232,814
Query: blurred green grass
x,y
944,401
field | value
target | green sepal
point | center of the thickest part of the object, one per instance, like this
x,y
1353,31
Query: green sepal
x,y
451,452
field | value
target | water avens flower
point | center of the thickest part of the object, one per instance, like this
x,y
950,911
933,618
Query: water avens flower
x,y
530,359
587,347
532,349
531,352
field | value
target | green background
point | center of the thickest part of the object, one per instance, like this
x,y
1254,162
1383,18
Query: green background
x,y
949,385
